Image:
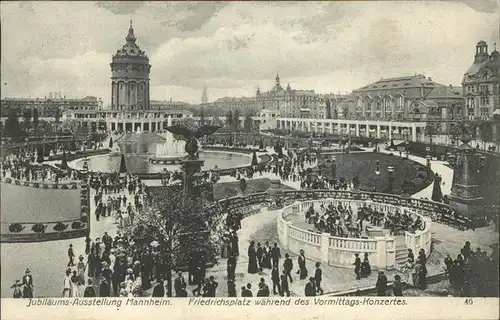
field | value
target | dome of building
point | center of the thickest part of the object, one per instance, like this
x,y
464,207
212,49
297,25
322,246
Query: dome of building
x,y
130,48
482,43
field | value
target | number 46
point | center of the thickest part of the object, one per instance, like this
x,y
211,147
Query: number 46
x,y
469,301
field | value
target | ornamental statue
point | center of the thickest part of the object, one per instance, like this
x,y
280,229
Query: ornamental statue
x,y
191,133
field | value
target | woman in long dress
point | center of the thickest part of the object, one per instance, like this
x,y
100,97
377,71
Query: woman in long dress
x,y
415,273
81,270
75,291
302,265
66,291
366,269
252,259
408,270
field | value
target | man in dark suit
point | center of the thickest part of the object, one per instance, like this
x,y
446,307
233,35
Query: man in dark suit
x,y
231,267
246,292
284,285
357,266
179,282
275,277
381,284
275,255
259,253
212,286
89,290
287,266
318,276
310,290
159,290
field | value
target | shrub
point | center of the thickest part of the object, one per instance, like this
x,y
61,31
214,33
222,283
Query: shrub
x,y
16,227
36,185
55,186
64,187
59,227
74,186
39,228
17,183
77,225
26,184
84,218
8,180
45,186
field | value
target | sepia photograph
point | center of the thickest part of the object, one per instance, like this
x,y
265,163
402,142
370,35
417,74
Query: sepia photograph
x,y
336,152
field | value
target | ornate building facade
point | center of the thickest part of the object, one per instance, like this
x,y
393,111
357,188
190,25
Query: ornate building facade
x,y
411,98
48,105
481,84
289,102
130,76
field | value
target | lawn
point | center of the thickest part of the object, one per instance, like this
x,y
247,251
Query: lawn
x,y
364,166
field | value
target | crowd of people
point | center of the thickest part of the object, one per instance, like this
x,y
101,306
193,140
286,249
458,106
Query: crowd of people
x,y
341,221
473,272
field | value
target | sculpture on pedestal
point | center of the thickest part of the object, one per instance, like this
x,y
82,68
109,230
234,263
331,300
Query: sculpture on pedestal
x,y
191,165
465,196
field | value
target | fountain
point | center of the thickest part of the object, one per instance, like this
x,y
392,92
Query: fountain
x,y
170,152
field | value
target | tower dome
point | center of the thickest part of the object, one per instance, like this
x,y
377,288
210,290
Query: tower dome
x,y
130,76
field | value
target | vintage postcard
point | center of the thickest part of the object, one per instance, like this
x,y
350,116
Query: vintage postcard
x,y
255,159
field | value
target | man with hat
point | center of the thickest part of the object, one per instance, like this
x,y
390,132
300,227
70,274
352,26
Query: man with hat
x,y
310,290
17,291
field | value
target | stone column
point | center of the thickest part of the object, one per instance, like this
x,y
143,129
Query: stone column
x,y
284,241
325,243
378,131
413,132
357,128
390,131
381,253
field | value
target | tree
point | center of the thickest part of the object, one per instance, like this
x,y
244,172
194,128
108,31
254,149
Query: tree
x,y
111,143
430,131
39,155
202,116
248,123
64,161
455,132
26,119
35,119
255,161
485,133
182,228
229,118
243,185
235,123
437,194
261,144
123,166
13,127
57,115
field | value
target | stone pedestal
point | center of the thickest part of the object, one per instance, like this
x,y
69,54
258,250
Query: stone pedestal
x,y
191,168
465,196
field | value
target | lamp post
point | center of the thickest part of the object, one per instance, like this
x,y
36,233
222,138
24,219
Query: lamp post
x,y
428,157
390,177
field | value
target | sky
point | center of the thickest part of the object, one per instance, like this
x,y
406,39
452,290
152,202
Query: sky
x,y
233,48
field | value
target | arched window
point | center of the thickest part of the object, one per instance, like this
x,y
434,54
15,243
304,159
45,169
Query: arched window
x,y
399,102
